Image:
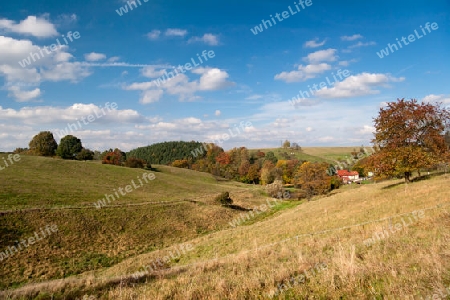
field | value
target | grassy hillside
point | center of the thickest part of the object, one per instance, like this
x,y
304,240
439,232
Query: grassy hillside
x,y
174,207
315,154
300,155
325,241
330,153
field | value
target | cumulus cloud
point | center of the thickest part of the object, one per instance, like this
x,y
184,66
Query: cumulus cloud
x,y
217,113
358,85
321,55
154,34
32,25
175,32
432,98
24,96
207,38
211,79
94,56
303,73
19,69
314,43
351,37
361,44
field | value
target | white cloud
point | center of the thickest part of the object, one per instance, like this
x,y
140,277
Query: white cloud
x,y
351,37
358,85
314,43
211,79
346,63
254,97
94,56
153,71
361,44
432,98
366,129
154,34
150,96
303,73
19,68
217,113
73,72
32,25
113,59
175,32
24,96
321,55
207,38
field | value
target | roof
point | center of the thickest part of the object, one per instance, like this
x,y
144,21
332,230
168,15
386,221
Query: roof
x,y
346,173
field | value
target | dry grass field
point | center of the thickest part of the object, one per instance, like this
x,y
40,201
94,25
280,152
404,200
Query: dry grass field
x,y
311,250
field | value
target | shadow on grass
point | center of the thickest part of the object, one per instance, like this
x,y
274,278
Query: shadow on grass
x,y
415,179
237,207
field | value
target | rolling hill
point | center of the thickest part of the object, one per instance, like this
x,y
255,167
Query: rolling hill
x,y
382,241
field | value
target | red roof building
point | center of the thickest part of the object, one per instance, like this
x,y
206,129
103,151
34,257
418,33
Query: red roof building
x,y
348,175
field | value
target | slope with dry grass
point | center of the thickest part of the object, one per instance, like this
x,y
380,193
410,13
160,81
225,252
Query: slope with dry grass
x,y
253,262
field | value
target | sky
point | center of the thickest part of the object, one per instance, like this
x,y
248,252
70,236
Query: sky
x,y
126,74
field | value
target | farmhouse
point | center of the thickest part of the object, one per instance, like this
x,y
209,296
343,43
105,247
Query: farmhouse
x,y
347,176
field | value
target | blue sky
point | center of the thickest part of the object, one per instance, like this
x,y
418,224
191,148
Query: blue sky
x,y
118,57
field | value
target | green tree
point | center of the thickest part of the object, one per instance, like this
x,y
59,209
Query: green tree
x,y
85,154
286,144
270,156
43,144
69,147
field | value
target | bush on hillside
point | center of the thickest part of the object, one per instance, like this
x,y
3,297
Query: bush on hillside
x,y
20,151
274,189
85,154
224,199
133,162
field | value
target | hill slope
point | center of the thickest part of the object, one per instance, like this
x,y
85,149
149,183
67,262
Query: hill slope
x,y
319,248
174,207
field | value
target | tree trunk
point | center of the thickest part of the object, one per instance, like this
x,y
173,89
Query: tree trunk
x,y
407,177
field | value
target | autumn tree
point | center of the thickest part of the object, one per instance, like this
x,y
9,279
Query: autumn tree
x,y
312,179
286,144
43,144
410,136
115,157
253,173
267,173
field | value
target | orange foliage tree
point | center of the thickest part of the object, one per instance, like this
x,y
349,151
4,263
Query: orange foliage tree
x,y
312,179
409,136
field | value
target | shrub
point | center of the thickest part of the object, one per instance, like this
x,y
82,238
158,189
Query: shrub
x,y
224,199
274,189
85,154
20,151
180,163
133,162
